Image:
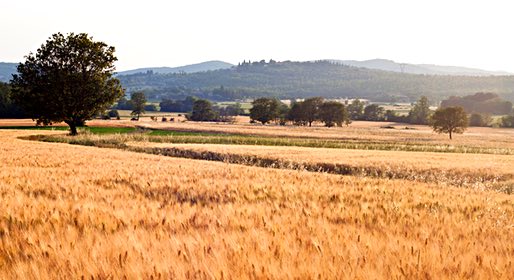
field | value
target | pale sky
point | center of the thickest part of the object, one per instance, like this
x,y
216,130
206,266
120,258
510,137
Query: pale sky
x,y
154,33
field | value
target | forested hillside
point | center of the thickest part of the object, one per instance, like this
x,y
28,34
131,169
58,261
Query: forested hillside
x,y
6,71
307,79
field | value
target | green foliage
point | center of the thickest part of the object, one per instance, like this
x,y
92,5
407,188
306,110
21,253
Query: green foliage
x,y
113,114
296,114
450,120
507,121
181,106
150,108
308,79
203,111
68,79
374,112
487,103
420,113
333,113
311,109
138,101
7,108
265,110
356,109
480,120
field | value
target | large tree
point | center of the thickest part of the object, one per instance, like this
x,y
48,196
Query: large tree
x,y
69,79
450,120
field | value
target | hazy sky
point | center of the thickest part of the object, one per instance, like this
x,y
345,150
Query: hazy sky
x,y
173,33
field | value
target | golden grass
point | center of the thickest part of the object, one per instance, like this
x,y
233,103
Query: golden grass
x,y
72,211
472,170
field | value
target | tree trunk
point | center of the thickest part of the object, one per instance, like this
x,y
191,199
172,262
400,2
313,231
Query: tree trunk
x,y
73,127
450,135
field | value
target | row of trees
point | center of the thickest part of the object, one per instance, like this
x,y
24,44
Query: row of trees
x,y
331,113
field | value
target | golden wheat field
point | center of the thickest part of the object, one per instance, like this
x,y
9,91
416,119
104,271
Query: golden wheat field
x,y
73,211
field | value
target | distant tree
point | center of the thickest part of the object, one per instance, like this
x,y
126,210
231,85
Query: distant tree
x,y
356,109
265,110
113,114
138,100
283,113
203,111
124,104
507,121
150,108
420,112
234,110
182,106
373,112
311,109
481,102
479,120
7,108
296,114
69,79
334,113
450,120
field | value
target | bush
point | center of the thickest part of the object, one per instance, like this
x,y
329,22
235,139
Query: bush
x,y
507,121
113,114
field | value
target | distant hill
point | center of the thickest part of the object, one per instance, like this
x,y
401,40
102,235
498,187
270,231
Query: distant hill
x,y
6,71
426,69
193,68
322,78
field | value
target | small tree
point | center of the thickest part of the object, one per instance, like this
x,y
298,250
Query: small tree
x,y
296,114
265,110
356,109
311,109
69,79
334,113
507,121
420,113
450,120
138,101
374,112
203,111
113,114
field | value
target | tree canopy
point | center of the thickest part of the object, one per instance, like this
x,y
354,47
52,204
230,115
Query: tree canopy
x,y
69,79
420,113
138,101
450,120
265,110
333,113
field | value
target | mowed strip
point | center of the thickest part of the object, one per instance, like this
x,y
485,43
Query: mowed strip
x,y
73,211
473,170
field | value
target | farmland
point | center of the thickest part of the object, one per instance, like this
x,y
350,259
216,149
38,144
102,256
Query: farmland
x,y
204,200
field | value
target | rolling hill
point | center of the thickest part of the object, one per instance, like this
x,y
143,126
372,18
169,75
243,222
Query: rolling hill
x,y
6,70
320,78
198,67
425,69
